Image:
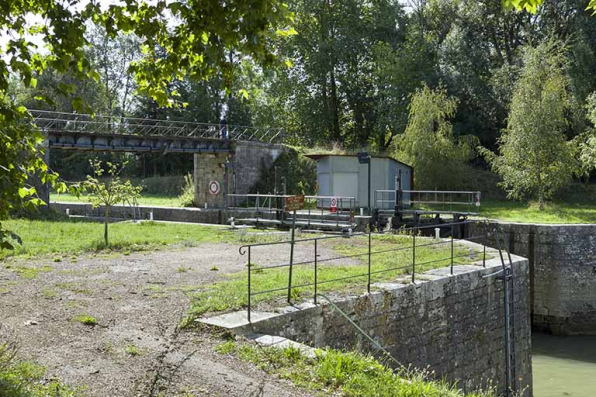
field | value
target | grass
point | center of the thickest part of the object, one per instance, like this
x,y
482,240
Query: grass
x,y
334,372
63,237
20,378
231,294
28,272
145,199
132,350
85,319
572,211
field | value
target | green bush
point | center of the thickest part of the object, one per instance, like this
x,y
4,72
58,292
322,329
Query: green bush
x,y
300,173
187,198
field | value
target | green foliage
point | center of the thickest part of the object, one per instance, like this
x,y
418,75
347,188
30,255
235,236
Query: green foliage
x,y
196,46
56,237
535,159
187,198
428,143
85,319
25,379
532,5
346,373
299,172
110,192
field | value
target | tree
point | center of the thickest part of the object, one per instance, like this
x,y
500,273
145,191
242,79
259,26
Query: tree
x,y
535,159
185,38
532,5
428,144
110,192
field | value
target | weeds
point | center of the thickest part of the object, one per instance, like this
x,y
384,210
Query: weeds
x,y
25,379
335,372
85,319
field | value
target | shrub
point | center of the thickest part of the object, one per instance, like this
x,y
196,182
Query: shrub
x,y
187,198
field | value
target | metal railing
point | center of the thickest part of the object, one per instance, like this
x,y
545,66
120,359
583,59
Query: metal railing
x,y
99,124
371,252
431,200
317,209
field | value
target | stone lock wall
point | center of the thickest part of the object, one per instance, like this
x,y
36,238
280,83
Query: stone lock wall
x,y
244,167
562,272
210,167
452,326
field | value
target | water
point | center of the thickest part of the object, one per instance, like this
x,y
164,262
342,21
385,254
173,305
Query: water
x,y
564,366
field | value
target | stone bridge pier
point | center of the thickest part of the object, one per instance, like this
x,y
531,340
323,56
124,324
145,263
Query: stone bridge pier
x,y
236,171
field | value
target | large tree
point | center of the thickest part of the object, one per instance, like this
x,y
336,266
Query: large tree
x,y
535,158
181,39
428,144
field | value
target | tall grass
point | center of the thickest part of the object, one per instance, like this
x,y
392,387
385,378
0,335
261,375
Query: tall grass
x,y
346,373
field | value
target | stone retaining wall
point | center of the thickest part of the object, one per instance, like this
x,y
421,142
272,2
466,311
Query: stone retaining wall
x,y
562,271
454,325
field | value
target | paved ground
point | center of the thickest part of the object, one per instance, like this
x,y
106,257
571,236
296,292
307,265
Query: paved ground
x,y
138,300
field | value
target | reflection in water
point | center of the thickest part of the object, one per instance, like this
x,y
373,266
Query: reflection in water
x,y
564,366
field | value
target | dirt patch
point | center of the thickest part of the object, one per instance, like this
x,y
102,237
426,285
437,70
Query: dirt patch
x,y
137,300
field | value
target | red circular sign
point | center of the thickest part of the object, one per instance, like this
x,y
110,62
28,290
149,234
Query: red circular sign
x,y
214,187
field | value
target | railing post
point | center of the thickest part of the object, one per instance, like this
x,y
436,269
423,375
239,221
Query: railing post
x,y
414,230
249,270
452,231
484,245
369,258
316,260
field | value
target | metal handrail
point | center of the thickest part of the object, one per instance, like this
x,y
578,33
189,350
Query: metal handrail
x,y
102,124
413,231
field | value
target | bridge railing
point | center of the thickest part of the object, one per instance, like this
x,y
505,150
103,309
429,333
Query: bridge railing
x,y
99,124
433,200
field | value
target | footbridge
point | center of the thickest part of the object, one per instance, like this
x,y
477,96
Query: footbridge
x,y
227,158
112,133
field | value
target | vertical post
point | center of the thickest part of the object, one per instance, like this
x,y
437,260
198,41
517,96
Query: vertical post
x,y
249,270
452,231
369,258
414,230
484,245
369,184
316,261
291,258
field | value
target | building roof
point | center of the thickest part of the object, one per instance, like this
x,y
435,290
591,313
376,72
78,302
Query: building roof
x,y
319,156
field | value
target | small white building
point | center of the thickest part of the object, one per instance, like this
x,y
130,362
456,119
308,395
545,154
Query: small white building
x,y
344,176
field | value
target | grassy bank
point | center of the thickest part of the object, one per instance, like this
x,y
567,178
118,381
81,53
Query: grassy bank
x,y
64,237
145,199
388,264
570,211
334,372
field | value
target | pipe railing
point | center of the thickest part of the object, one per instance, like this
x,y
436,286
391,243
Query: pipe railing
x,y
100,124
413,266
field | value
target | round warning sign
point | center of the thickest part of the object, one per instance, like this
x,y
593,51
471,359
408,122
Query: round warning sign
x,y
214,187
333,204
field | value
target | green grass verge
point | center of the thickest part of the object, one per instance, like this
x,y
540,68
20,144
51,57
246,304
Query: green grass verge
x,y
76,236
61,237
528,212
145,199
334,372
231,294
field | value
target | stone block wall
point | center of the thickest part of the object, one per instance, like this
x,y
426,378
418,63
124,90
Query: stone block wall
x,y
452,326
249,159
210,167
562,271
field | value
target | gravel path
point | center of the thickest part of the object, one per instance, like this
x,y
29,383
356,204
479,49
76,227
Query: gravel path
x,y
138,300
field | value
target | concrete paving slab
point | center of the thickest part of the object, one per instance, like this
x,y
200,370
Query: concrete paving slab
x,y
235,320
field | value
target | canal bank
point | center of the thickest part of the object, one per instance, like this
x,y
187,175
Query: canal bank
x,y
562,272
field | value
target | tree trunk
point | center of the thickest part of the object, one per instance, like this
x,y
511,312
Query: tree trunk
x,y
105,232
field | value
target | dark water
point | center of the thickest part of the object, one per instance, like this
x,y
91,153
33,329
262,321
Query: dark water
x,y
564,366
